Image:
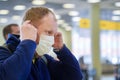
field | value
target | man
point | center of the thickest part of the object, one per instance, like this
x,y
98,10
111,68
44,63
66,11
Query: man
x,y
27,59
11,28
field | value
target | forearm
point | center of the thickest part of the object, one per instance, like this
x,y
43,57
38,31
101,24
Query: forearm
x,y
70,65
18,65
65,55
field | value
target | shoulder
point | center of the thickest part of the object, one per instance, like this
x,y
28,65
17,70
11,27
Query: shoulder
x,y
4,53
3,49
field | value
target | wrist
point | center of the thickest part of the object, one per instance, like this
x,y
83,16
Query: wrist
x,y
57,49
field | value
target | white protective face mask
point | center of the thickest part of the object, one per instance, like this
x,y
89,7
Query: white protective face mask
x,y
45,45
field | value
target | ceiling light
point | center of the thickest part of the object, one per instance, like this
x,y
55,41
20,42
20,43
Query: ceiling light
x,y
57,16
68,28
19,7
73,13
116,18
15,17
76,19
117,4
68,6
38,2
93,1
3,0
3,20
116,12
4,12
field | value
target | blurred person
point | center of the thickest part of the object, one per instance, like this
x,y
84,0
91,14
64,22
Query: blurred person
x,y
11,28
117,72
84,68
27,59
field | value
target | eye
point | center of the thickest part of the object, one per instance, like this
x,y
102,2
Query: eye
x,y
50,33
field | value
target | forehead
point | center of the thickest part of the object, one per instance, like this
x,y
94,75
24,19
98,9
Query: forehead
x,y
49,22
15,27
49,18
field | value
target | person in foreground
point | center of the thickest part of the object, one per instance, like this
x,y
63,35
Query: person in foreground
x,y
25,57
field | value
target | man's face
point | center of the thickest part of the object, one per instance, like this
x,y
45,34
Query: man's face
x,y
48,26
15,30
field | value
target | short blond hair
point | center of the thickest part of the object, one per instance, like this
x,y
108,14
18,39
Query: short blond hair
x,y
36,13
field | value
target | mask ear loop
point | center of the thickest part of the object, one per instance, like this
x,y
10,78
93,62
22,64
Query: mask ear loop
x,y
38,38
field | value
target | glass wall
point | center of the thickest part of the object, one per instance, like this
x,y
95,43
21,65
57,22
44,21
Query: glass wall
x,y
110,46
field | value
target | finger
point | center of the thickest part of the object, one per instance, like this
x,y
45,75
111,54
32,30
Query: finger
x,y
26,22
58,34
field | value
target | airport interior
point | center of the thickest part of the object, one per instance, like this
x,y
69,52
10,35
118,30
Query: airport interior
x,y
90,28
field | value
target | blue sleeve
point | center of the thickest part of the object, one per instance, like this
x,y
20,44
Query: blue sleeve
x,y
67,68
17,66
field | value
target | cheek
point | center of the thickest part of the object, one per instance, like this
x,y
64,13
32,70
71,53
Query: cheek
x,y
55,29
41,29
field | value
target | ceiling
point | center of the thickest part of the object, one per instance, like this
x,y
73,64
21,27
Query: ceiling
x,y
82,6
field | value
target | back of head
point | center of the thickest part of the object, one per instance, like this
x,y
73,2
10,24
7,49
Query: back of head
x,y
35,14
8,29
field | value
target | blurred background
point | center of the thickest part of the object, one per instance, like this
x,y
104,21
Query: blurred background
x,y
90,28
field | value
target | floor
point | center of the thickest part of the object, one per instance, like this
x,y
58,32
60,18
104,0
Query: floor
x,y
106,77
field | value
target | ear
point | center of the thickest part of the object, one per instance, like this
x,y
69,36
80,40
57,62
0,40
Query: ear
x,y
6,37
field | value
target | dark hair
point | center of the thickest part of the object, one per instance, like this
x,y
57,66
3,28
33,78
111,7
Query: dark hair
x,y
7,29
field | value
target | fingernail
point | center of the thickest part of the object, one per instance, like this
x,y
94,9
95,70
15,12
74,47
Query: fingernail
x,y
28,20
